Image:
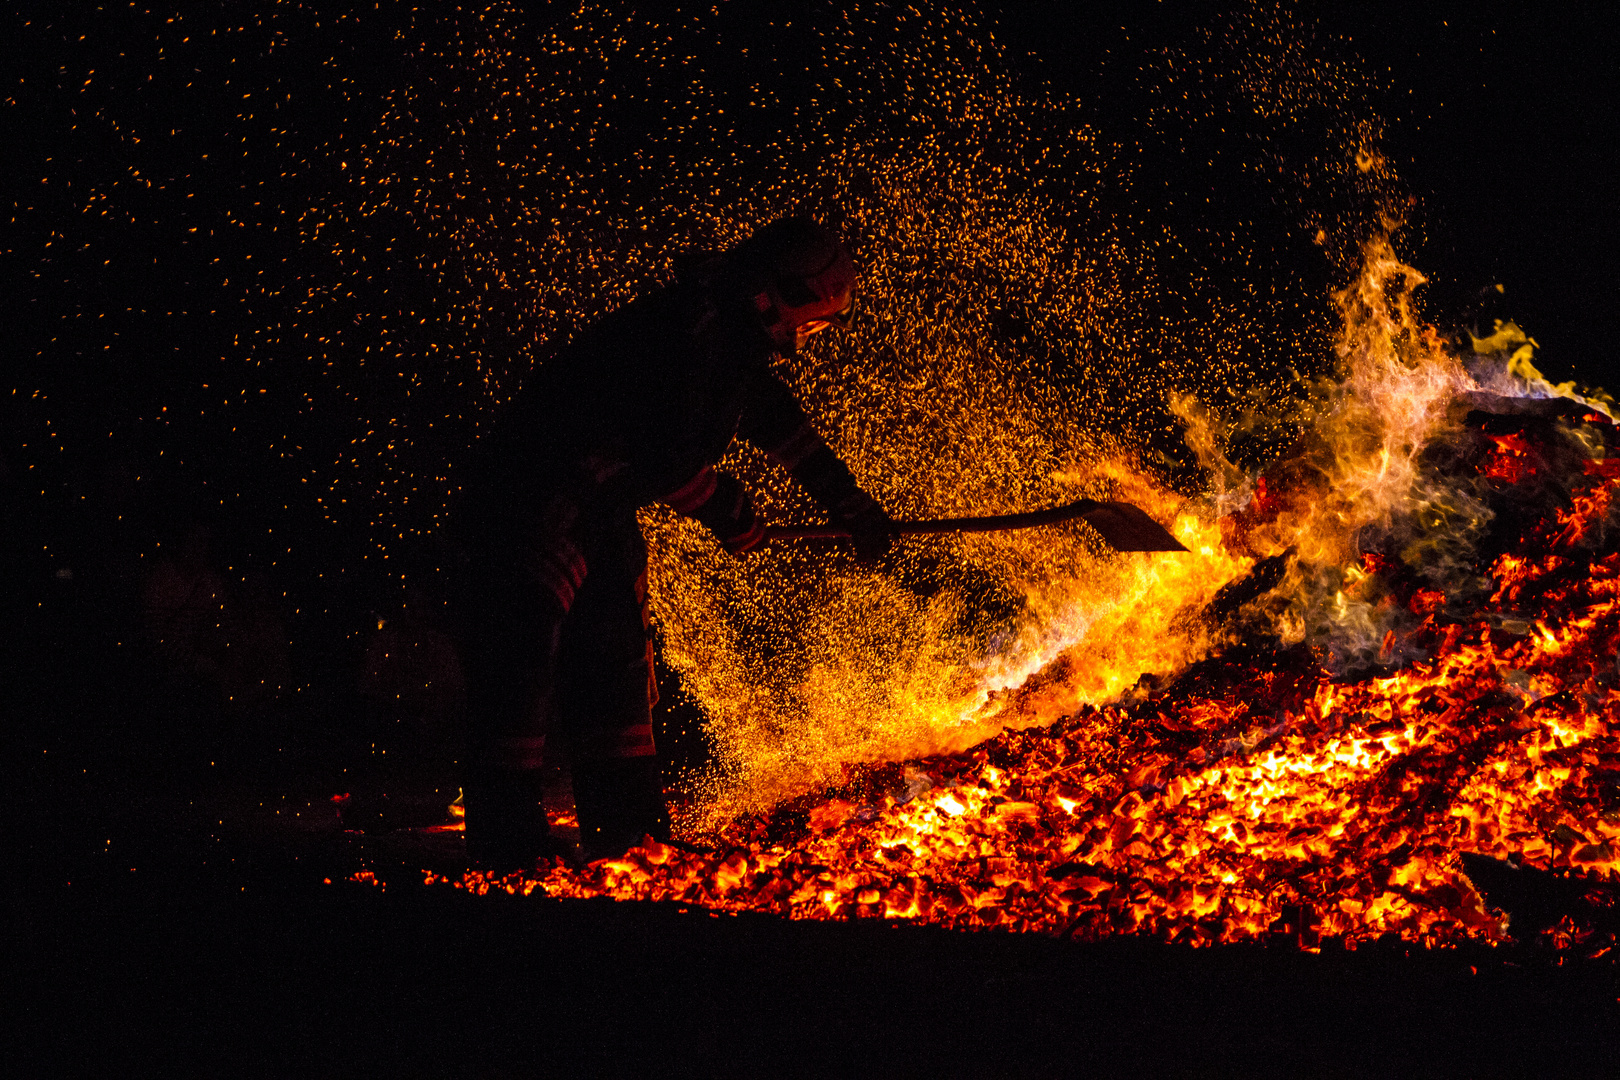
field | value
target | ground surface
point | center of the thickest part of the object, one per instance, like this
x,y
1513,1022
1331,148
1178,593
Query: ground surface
x,y
223,949
165,909
351,981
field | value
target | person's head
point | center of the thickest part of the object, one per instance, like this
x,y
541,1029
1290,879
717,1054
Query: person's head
x,y
801,279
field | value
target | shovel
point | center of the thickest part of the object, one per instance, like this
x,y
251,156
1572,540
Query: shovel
x,y
1123,526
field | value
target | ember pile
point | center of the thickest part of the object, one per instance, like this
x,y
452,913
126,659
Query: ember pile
x,y
1254,795
1291,782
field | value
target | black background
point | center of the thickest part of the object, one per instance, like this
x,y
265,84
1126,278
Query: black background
x,y
127,331
1502,121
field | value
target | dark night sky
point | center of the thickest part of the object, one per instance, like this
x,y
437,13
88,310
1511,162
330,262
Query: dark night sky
x,y
1501,119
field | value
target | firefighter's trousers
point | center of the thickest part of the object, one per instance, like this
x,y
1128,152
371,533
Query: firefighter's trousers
x,y
557,650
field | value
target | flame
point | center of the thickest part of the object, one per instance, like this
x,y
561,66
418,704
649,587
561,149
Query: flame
x,y
1254,789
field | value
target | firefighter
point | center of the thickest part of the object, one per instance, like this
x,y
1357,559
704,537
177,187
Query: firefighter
x,y
553,612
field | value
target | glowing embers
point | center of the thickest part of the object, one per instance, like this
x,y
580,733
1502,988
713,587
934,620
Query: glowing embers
x,y
1512,461
1253,793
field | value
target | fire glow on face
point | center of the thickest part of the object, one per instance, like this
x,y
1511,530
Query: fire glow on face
x,y
1335,742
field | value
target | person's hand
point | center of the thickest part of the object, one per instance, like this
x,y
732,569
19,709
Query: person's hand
x,y
870,529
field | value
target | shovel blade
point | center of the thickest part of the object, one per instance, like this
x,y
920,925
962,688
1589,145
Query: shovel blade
x,y
1128,528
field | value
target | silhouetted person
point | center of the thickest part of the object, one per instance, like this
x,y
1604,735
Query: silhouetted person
x,y
553,612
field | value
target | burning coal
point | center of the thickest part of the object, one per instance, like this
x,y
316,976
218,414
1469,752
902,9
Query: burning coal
x,y
1392,648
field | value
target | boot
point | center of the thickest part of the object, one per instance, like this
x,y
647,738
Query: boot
x,y
619,801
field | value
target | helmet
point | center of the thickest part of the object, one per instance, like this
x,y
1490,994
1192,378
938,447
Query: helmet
x,y
802,279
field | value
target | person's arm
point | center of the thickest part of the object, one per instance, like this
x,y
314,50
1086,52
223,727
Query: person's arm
x,y
776,424
722,503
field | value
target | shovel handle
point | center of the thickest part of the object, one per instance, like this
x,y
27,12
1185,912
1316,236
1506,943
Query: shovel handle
x,y
992,523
